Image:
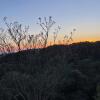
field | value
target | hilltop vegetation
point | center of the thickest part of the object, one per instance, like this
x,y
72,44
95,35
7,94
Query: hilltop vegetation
x,y
57,72
15,37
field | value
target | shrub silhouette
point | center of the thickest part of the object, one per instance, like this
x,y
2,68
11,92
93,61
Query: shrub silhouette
x,y
16,37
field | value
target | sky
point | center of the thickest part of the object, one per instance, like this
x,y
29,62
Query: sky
x,y
83,15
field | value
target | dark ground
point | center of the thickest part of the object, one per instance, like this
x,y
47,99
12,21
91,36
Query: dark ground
x,y
55,73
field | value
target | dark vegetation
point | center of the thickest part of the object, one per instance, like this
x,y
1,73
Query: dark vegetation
x,y
57,72
15,37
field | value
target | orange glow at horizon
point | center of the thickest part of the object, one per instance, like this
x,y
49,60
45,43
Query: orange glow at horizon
x,y
61,42
58,42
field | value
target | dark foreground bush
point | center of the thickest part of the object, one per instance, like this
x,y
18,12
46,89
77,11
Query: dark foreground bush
x,y
55,73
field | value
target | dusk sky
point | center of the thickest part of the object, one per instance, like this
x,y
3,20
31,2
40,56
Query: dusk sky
x,y
84,15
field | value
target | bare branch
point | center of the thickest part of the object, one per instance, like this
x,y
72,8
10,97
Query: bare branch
x,y
69,38
16,32
56,33
46,26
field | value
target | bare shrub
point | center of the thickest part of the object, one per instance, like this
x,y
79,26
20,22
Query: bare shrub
x,y
46,26
16,32
68,38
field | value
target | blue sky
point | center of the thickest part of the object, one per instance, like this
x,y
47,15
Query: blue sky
x,y
84,15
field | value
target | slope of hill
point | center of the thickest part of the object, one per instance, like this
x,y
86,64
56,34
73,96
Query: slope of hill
x,y
55,73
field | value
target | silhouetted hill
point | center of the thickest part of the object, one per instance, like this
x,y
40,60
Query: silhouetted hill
x,y
57,72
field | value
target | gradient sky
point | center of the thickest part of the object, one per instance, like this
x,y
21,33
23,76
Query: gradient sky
x,y
84,15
